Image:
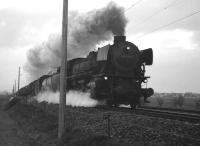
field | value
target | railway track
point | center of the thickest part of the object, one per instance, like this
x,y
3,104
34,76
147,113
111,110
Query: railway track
x,y
172,109
170,114
182,115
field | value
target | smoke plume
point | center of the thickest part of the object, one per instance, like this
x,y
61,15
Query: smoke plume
x,y
73,98
85,31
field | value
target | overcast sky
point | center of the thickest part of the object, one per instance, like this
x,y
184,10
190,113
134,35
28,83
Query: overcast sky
x,y
170,27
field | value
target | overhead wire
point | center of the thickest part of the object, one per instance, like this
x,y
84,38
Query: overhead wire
x,y
133,5
157,12
166,25
173,22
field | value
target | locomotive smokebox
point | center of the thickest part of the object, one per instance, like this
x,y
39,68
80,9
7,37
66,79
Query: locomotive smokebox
x,y
119,39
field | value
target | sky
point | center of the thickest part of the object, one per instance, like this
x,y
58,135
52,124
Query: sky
x,y
170,27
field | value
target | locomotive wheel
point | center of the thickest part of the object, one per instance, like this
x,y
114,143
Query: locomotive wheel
x,y
116,105
109,102
133,106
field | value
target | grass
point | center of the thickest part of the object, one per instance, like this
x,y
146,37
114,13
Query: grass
x,y
86,126
41,127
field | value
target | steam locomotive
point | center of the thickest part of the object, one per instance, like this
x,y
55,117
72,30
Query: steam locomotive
x,y
114,74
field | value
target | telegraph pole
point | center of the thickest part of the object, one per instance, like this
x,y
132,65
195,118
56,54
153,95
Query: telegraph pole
x,y
13,91
18,79
15,86
63,72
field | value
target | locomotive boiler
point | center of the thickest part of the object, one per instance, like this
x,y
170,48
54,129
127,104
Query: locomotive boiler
x,y
114,74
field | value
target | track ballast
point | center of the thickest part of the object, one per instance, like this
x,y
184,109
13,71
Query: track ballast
x,y
175,114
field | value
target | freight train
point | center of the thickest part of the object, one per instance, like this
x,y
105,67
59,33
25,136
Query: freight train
x,y
115,74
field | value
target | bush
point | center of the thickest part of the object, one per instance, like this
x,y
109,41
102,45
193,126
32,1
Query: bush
x,y
175,101
197,103
160,101
181,100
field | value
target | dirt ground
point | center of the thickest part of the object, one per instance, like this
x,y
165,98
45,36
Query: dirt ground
x,y
10,133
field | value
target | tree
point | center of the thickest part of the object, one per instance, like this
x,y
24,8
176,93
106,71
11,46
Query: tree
x,y
160,101
180,100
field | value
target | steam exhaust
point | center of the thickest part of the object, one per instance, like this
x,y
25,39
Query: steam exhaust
x,y
73,98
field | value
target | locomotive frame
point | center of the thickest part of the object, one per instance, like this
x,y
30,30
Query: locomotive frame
x,y
114,73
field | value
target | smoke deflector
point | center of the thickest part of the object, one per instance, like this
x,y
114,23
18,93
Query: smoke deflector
x,y
147,56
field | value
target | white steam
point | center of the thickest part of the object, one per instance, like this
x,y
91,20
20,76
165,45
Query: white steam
x,y
73,98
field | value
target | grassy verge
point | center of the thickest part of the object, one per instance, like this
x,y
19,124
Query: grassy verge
x,y
41,128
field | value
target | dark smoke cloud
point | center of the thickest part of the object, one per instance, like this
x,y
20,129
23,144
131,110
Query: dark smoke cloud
x,y
41,59
85,32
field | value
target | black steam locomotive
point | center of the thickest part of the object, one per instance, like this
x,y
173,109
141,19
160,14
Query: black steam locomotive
x,y
114,73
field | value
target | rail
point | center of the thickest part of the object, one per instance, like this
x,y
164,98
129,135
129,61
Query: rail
x,y
158,112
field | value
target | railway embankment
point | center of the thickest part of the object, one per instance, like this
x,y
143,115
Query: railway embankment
x,y
40,126
11,133
94,126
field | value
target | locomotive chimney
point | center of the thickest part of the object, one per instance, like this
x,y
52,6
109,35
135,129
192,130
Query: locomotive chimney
x,y
119,38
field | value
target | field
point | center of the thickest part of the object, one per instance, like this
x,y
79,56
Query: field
x,y
188,101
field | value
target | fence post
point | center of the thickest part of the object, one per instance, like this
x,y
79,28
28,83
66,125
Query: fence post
x,y
107,117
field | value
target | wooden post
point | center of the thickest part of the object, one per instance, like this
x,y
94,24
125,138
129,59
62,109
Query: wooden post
x,y
63,72
107,117
13,89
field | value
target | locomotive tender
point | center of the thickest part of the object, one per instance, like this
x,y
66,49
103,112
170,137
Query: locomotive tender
x,y
114,73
